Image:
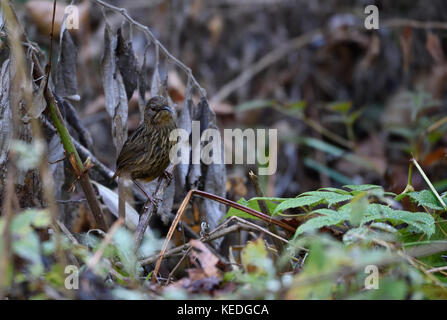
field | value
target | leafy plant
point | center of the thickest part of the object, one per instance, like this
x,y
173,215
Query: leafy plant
x,y
354,206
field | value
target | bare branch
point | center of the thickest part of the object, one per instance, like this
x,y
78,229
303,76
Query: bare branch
x,y
153,39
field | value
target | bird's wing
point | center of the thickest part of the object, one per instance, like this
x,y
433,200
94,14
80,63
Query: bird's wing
x,y
131,151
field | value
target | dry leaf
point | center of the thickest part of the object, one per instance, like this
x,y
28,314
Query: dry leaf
x,y
66,82
127,64
5,113
207,260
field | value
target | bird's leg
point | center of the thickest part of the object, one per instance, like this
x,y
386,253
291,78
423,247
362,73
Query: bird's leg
x,y
149,198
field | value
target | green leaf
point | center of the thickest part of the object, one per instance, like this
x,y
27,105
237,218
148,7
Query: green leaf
x,y
23,222
359,204
334,190
422,221
27,247
329,218
419,221
268,199
255,259
298,202
330,198
242,214
124,245
362,187
425,198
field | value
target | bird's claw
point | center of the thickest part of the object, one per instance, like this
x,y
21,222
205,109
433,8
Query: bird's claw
x,y
155,202
168,175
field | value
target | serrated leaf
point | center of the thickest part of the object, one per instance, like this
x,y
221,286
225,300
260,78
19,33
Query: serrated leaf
x,y
330,198
329,218
425,198
270,199
422,221
298,202
362,187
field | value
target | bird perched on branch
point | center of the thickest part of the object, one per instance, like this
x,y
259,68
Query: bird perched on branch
x,y
145,154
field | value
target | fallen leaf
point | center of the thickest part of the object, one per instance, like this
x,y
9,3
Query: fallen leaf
x,y
207,260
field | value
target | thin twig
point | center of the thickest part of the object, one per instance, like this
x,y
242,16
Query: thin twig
x,y
259,228
221,231
264,209
98,254
149,208
438,269
416,164
70,150
178,265
67,232
182,248
218,199
157,43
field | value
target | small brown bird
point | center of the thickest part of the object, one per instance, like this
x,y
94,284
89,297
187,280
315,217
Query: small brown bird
x,y
145,154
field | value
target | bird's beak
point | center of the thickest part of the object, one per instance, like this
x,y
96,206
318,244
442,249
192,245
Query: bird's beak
x,y
167,108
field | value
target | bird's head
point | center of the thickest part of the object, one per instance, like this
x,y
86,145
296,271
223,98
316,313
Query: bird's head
x,y
158,111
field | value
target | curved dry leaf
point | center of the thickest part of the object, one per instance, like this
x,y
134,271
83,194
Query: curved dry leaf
x,y
5,113
142,85
66,81
127,64
108,66
207,260
114,90
55,153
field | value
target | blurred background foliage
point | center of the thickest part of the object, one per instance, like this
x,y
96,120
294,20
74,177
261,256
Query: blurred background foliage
x,y
351,106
